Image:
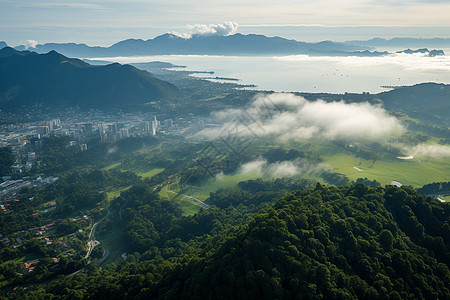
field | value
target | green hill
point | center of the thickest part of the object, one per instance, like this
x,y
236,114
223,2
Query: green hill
x,y
328,243
428,101
54,80
351,242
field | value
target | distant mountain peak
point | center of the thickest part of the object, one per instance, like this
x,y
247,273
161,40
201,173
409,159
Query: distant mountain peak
x,y
8,51
53,80
204,44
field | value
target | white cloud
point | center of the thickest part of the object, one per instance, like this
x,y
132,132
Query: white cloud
x,y
408,62
31,44
430,150
253,167
224,29
286,168
289,117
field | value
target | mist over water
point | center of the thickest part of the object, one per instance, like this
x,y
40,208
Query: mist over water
x,y
303,73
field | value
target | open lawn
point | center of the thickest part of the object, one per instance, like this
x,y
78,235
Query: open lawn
x,y
149,173
415,172
170,192
112,193
212,185
112,166
142,171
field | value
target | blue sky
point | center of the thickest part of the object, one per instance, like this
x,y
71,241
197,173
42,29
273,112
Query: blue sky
x,y
101,22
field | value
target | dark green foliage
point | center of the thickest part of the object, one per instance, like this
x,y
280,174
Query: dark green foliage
x,y
52,79
275,155
371,183
6,161
98,252
146,217
328,243
255,192
428,101
58,155
435,188
352,242
334,178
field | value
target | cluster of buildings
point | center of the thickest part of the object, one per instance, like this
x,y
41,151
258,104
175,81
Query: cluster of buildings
x,y
8,188
25,139
121,130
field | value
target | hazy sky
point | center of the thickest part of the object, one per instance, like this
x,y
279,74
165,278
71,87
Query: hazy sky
x,y
103,22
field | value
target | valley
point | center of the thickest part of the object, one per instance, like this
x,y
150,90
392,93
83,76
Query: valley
x,y
168,186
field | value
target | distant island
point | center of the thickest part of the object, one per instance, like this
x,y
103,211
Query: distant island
x,y
431,53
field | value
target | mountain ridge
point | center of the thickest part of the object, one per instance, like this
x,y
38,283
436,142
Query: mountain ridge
x,y
52,79
236,44
402,42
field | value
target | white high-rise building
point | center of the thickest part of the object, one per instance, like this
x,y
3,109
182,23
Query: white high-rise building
x,y
101,131
125,133
147,127
155,125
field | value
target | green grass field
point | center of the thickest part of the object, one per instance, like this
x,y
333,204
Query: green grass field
x,y
112,166
446,199
150,173
415,172
212,185
170,192
112,193
142,171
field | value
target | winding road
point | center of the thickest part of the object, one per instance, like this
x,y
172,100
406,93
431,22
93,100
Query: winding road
x,y
195,200
92,242
199,202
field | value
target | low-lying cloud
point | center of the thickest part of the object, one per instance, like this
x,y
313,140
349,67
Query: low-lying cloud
x,y
278,169
417,62
429,150
224,29
31,44
289,117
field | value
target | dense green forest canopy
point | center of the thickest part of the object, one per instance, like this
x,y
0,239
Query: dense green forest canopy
x,y
53,80
323,242
6,160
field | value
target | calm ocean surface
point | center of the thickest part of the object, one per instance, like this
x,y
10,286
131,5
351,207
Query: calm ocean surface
x,y
302,73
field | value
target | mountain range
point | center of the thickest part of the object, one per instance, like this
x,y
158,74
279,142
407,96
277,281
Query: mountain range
x,y
52,79
236,44
402,43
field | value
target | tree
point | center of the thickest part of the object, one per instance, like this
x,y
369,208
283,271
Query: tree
x,y
7,159
386,239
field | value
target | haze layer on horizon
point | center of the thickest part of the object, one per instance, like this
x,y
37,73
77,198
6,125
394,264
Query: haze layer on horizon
x,y
100,22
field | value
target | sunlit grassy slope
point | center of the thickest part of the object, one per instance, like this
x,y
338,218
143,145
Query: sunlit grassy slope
x,y
415,172
150,173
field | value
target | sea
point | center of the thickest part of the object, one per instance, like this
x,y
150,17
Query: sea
x,y
304,73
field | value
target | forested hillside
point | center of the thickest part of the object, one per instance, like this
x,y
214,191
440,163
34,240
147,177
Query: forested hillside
x,y
51,79
322,243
